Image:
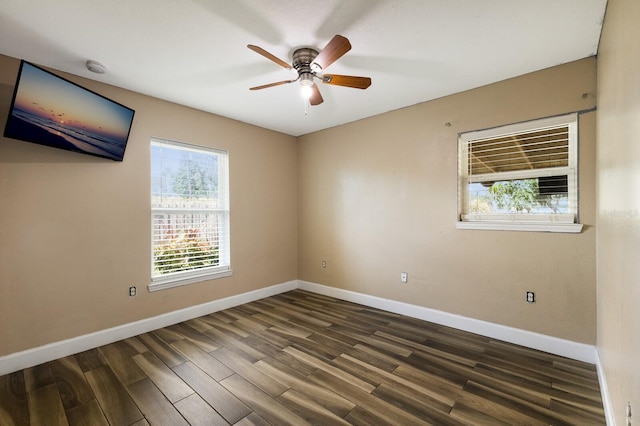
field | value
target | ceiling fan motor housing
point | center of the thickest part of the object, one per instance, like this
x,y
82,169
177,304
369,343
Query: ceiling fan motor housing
x,y
302,60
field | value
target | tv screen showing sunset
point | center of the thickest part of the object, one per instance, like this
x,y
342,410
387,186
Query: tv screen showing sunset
x,y
52,111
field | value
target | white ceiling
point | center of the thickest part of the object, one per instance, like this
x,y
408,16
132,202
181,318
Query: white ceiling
x,y
193,52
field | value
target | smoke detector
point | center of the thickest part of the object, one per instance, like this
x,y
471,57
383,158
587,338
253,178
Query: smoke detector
x,y
96,67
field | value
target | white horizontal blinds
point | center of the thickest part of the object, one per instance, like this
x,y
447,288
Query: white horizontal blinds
x,y
190,214
186,241
538,149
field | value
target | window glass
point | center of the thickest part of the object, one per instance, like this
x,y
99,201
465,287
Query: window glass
x,y
190,214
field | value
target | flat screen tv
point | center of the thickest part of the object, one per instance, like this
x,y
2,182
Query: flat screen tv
x,y
49,110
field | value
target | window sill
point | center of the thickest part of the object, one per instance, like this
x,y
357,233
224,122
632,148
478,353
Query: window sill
x,y
163,283
568,228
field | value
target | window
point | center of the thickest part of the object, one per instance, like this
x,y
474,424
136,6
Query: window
x,y
189,214
520,177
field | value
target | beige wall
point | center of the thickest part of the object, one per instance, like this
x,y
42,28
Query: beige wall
x,y
379,196
618,188
75,230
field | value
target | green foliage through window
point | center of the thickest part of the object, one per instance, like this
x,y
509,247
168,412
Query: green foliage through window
x,y
518,196
193,181
184,252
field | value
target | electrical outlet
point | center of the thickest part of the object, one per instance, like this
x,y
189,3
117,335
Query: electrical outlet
x,y
403,277
531,297
324,263
132,291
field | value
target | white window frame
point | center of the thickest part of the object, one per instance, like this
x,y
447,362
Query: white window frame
x,y
223,269
567,223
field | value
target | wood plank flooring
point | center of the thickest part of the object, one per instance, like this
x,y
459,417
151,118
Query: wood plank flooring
x,y
301,358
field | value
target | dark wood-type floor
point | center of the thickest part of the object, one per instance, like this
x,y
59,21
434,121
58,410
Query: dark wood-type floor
x,y
300,358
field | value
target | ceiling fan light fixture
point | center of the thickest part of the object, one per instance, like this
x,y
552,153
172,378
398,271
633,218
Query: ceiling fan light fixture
x,y
306,84
306,91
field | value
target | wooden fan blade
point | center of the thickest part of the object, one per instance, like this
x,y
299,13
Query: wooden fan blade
x,y
347,81
269,56
271,85
337,47
316,97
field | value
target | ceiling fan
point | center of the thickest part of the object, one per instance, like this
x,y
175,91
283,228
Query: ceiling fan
x,y
309,63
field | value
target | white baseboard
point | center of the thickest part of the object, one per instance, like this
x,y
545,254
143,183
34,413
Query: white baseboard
x,y
604,391
550,344
31,357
